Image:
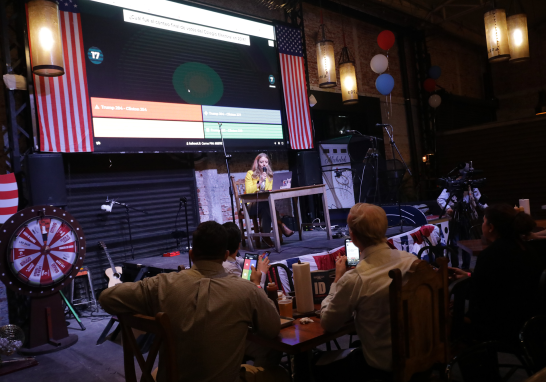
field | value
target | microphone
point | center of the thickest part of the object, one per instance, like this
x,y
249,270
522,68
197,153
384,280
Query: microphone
x,y
382,124
264,169
182,200
107,207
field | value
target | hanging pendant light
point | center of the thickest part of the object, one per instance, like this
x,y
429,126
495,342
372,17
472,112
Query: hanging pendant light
x,y
540,109
46,47
325,59
518,37
347,75
496,34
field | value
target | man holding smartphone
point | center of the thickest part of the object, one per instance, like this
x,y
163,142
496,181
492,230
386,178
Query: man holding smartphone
x,y
209,311
364,291
233,266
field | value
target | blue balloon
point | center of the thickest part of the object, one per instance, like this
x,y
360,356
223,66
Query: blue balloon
x,y
434,72
384,84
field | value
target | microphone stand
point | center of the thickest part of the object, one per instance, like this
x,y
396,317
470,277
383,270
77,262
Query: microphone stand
x,y
228,157
187,226
375,164
390,133
127,208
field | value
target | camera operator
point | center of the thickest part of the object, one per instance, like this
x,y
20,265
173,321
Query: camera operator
x,y
461,200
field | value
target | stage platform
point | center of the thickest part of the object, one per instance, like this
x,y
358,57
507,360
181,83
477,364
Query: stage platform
x,y
313,242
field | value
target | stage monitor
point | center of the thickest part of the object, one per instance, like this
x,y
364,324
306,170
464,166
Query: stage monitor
x,y
164,76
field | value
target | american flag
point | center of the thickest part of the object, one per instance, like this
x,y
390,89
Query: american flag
x,y
295,87
9,197
62,102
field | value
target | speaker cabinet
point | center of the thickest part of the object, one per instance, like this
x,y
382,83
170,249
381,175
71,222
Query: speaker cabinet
x,y
309,168
46,181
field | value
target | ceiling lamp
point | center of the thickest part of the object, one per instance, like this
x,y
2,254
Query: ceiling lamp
x,y
325,59
347,74
540,109
496,34
518,34
46,48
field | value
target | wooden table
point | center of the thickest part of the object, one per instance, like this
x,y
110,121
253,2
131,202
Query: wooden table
x,y
271,197
300,338
474,246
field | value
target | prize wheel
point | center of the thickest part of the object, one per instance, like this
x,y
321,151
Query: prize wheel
x,y
41,250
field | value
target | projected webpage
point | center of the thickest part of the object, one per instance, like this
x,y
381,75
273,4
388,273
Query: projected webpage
x,y
165,76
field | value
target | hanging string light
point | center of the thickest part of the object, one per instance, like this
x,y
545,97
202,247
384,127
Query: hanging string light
x,y
347,74
325,58
46,47
496,34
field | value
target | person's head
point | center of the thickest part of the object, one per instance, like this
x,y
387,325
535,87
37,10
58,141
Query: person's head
x,y
234,238
367,225
502,221
210,241
261,161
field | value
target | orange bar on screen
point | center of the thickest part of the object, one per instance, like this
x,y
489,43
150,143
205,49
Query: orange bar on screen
x,y
122,108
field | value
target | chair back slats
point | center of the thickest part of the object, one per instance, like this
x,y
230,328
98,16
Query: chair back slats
x,y
419,312
274,276
160,327
533,341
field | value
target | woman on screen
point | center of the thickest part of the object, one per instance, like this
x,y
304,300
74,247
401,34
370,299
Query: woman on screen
x,y
260,178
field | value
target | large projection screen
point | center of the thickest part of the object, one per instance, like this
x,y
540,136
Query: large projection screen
x,y
163,76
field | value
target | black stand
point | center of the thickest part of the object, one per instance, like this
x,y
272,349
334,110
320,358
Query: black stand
x,y
176,234
228,157
390,133
127,208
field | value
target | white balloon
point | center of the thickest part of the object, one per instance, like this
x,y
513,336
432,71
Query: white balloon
x,y
379,63
435,100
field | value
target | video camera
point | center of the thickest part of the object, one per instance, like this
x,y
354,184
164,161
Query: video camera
x,y
463,181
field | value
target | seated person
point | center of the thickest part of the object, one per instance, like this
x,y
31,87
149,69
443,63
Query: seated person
x,y
364,291
505,283
258,180
209,311
233,266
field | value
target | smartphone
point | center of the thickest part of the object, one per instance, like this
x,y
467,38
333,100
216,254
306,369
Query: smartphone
x,y
352,252
251,260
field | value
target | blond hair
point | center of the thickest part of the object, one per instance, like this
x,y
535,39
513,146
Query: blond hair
x,y
368,223
257,171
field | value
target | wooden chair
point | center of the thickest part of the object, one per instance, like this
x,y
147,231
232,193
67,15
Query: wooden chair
x,y
419,314
160,327
274,276
239,189
436,251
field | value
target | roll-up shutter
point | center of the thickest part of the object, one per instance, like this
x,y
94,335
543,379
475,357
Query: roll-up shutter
x,y
150,182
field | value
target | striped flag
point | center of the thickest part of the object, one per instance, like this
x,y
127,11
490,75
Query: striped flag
x,y
289,41
9,197
63,102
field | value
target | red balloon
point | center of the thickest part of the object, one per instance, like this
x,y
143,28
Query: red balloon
x,y
385,40
429,85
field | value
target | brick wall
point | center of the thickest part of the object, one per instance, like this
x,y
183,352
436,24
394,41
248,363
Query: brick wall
x,y
463,65
361,39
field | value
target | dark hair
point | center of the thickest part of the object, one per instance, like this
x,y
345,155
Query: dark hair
x,y
508,222
234,237
209,241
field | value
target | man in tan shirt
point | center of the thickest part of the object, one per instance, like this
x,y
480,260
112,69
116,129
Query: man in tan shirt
x,y
209,312
364,291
